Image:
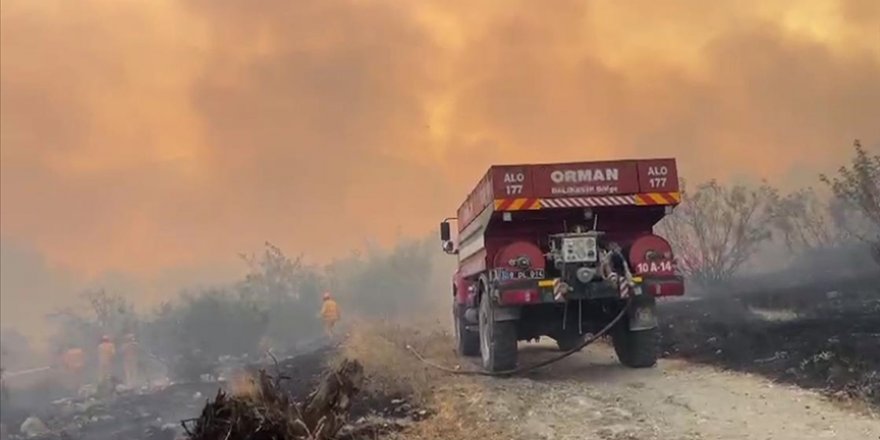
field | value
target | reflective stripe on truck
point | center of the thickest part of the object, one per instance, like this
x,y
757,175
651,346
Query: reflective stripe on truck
x,y
647,199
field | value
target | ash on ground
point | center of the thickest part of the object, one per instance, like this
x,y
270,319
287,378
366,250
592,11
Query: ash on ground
x,y
822,336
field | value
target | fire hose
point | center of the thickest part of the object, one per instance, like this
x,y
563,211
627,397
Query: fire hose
x,y
527,368
25,372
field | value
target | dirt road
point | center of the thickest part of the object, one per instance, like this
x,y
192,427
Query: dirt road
x,y
590,396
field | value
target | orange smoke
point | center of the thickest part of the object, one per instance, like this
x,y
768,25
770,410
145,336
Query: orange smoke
x,y
142,135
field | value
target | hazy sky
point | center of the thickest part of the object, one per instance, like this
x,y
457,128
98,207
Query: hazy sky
x,y
146,136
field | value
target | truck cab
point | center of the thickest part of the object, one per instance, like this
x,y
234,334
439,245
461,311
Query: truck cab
x,y
559,250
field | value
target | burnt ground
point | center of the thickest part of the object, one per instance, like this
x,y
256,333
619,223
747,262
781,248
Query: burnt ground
x,y
157,415
154,415
823,336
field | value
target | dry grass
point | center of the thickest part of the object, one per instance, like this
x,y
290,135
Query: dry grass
x,y
389,367
458,416
454,400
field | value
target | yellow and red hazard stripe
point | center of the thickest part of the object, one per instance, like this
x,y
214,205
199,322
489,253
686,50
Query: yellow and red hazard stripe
x,y
519,204
661,198
645,199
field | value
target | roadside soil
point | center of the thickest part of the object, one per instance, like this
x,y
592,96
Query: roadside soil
x,y
590,396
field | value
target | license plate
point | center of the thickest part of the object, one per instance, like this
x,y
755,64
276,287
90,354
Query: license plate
x,y
508,275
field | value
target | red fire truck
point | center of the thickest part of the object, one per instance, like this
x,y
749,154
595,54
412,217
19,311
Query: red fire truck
x,y
559,250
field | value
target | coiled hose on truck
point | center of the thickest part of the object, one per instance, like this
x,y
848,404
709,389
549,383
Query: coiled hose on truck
x,y
532,367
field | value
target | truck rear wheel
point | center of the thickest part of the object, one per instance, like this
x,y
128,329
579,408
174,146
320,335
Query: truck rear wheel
x,y
467,341
497,339
635,349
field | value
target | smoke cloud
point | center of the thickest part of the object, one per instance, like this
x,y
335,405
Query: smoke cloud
x,y
139,136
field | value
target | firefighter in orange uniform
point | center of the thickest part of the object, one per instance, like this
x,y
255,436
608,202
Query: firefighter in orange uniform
x,y
74,361
329,313
130,365
106,356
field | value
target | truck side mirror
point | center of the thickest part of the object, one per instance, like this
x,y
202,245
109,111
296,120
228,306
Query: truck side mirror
x,y
445,234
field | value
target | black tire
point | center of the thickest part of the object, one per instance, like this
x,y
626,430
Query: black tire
x,y
467,342
498,349
569,341
635,349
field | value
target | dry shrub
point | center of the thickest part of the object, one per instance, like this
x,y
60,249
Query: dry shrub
x,y
263,410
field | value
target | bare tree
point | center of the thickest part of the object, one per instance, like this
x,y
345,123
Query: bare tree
x,y
112,313
716,229
858,186
273,275
805,221
104,314
287,289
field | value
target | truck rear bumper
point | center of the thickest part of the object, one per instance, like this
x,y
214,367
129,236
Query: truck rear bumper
x,y
525,292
